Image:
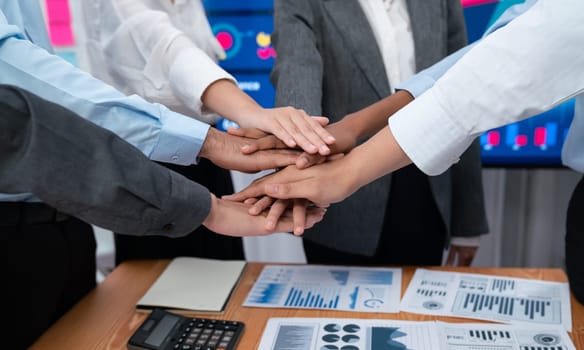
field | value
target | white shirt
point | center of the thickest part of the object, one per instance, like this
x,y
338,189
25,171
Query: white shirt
x,y
161,51
529,66
390,22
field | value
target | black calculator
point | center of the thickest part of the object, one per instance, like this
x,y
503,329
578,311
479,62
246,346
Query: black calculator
x,y
163,330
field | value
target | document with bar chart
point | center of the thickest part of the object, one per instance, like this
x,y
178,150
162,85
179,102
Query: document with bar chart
x,y
348,334
327,287
488,297
370,334
482,336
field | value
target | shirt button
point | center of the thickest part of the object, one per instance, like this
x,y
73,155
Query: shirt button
x,y
168,227
174,158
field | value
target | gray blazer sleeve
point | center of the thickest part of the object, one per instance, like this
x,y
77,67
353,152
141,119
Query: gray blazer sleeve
x,y
88,172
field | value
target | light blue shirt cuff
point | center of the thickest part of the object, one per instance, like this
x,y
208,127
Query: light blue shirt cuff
x,y
180,140
424,80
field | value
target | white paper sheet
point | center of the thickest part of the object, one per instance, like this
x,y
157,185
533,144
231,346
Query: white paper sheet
x,y
356,334
482,336
349,334
327,287
488,297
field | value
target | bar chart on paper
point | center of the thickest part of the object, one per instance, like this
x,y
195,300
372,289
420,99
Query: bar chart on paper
x,y
486,297
512,308
503,337
326,298
327,287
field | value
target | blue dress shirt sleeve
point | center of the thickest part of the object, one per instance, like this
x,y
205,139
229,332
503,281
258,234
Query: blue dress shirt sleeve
x,y
159,133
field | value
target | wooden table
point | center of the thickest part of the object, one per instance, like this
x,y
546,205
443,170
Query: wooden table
x,y
106,318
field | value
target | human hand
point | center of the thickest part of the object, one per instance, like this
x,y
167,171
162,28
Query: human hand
x,y
292,126
258,140
321,184
277,207
232,219
224,150
463,255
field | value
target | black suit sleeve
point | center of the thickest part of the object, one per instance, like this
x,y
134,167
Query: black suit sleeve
x,y
86,171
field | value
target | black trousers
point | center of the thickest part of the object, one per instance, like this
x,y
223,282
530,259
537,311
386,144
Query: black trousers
x,y
575,242
202,242
47,266
413,232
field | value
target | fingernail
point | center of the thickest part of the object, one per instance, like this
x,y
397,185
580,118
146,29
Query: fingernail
x,y
330,139
324,149
270,225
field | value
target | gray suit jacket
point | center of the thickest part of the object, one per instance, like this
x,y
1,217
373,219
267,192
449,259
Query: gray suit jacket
x,y
88,172
329,64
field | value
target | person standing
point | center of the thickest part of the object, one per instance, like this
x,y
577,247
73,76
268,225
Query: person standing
x,y
337,57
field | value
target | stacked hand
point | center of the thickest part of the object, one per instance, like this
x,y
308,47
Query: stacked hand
x,y
224,213
252,150
258,140
295,186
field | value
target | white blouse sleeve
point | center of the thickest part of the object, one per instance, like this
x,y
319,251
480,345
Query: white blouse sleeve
x,y
525,68
153,58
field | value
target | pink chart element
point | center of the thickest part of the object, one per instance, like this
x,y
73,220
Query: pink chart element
x,y
493,138
468,3
540,136
265,53
59,23
521,140
225,40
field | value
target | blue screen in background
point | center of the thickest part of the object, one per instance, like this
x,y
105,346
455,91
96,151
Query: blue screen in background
x,y
244,28
238,5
